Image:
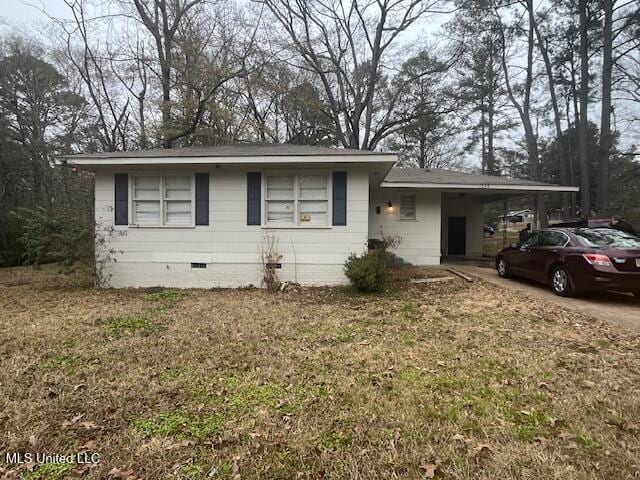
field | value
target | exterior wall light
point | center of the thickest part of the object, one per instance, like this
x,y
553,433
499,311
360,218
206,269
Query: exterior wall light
x,y
390,207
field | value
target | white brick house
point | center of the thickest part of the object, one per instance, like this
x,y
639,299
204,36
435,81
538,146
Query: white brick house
x,y
196,217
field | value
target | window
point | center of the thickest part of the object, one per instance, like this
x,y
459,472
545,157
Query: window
x,y
606,237
177,201
281,200
534,240
162,200
314,200
297,200
407,207
554,239
146,200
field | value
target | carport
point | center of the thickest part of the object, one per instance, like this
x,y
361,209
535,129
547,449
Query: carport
x,y
462,198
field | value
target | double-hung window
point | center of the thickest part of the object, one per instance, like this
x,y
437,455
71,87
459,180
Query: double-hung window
x,y
297,200
162,200
407,207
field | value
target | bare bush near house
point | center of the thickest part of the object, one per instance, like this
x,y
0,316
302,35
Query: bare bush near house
x,y
391,242
269,257
105,254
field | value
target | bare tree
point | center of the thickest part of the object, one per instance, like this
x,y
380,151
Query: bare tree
x,y
197,54
602,193
523,105
564,158
585,185
135,80
112,112
162,19
345,44
619,17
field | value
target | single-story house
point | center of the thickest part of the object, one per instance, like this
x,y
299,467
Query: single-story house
x,y
197,217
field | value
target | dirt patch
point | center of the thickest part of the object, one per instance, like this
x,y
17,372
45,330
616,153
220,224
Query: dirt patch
x,y
449,379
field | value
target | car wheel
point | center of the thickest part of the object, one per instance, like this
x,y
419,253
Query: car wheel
x,y
561,282
503,267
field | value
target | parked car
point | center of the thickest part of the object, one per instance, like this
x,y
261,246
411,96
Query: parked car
x,y
571,260
488,231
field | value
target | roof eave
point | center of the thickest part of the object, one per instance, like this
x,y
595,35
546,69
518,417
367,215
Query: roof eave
x,y
481,187
230,160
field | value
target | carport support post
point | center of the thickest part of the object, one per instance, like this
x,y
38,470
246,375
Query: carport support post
x,y
541,213
505,207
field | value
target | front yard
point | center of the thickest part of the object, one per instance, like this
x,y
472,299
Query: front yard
x,y
452,380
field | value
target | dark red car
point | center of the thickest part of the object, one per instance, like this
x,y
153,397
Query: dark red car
x,y
571,260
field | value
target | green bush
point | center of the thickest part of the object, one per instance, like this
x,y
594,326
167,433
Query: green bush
x,y
368,272
60,235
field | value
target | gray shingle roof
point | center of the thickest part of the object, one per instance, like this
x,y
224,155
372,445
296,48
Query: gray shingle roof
x,y
235,150
436,176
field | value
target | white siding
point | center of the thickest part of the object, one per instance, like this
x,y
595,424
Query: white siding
x,y
469,206
420,237
163,256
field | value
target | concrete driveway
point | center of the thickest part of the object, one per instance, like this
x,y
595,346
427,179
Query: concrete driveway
x,y
612,307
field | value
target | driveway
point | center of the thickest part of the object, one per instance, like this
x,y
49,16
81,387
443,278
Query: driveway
x,y
609,306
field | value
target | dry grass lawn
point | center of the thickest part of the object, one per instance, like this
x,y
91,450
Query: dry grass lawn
x,y
492,245
451,380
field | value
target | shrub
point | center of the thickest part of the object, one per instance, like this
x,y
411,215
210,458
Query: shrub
x,y
60,235
270,259
368,272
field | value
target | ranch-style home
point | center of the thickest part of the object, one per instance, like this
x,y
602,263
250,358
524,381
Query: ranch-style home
x,y
197,217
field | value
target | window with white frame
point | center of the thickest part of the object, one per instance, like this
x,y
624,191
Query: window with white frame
x,y
297,200
407,207
162,200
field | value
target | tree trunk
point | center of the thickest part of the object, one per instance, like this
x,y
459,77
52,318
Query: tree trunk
x,y
166,105
524,111
572,174
143,127
491,159
484,144
564,159
602,197
585,197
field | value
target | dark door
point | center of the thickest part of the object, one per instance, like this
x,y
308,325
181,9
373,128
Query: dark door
x,y
519,258
544,254
457,236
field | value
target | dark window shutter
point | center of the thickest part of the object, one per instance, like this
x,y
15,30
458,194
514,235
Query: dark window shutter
x,y
254,193
121,182
202,199
339,198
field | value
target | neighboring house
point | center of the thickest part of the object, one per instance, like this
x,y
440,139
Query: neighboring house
x,y
197,217
518,217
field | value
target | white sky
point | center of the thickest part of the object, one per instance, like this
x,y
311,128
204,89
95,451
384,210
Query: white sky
x,y
26,16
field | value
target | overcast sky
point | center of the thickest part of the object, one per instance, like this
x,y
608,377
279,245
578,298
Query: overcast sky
x,y
26,16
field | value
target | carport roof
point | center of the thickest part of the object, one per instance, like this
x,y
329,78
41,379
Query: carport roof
x,y
450,180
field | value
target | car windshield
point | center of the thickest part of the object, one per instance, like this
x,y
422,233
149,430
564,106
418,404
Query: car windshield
x,y
607,237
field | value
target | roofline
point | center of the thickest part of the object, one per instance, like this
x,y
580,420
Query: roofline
x,y
482,186
230,159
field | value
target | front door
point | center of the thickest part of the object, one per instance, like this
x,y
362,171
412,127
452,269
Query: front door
x,y
457,236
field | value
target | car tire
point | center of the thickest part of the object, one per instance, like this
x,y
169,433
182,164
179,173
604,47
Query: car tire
x,y
561,282
503,268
